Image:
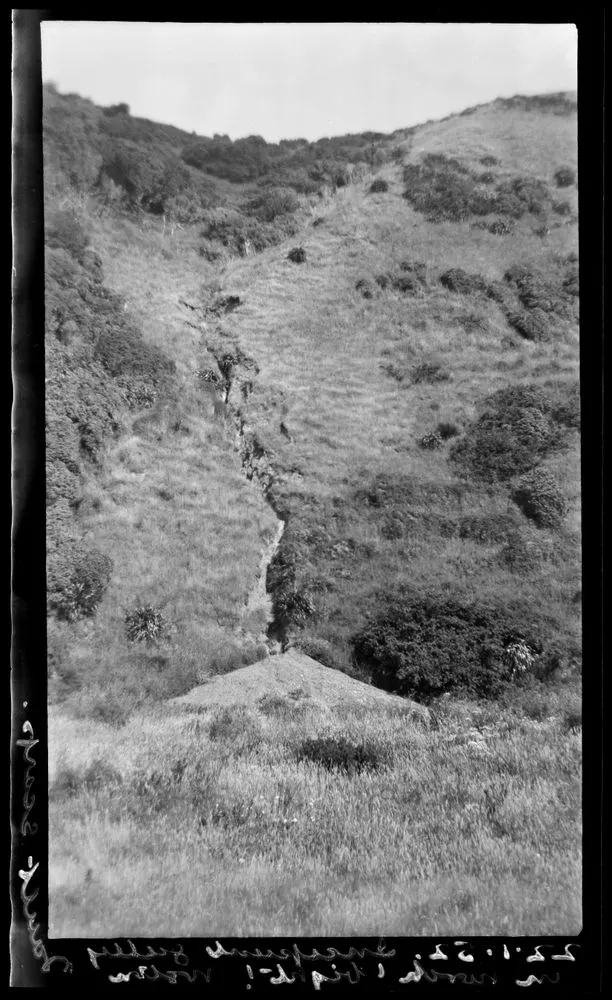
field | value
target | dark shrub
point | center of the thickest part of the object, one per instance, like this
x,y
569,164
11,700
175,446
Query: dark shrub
x,y
489,161
459,281
535,291
500,228
124,352
486,178
116,109
422,647
565,177
521,195
567,410
443,189
571,283
271,203
318,221
447,430
418,268
77,582
540,499
430,373
407,283
366,287
297,255
145,623
338,753
562,208
379,186
499,292
293,606
225,304
237,231
510,437
393,527
393,371
61,484
532,325
383,280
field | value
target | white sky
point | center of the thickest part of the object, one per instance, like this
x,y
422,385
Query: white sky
x,y
284,80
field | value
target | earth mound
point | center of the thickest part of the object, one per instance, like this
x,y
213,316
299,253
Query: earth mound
x,y
286,673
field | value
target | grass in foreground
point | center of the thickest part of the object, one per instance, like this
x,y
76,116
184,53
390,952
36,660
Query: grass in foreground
x,y
207,822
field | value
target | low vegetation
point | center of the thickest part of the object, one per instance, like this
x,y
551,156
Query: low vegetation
x,y
293,819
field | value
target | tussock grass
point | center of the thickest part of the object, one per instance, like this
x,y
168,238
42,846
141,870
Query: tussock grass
x,y
194,813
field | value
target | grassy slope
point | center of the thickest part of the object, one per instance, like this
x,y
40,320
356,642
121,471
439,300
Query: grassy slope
x,y
171,508
351,864
323,344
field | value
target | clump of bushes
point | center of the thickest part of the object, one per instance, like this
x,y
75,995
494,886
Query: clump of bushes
x,y
538,496
443,189
339,753
297,255
366,287
416,267
462,283
238,232
383,280
533,290
145,623
407,283
510,437
293,606
271,203
522,195
422,647
531,325
76,582
489,161
500,227
562,208
379,186
129,359
565,177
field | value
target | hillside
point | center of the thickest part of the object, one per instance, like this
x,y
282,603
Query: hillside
x,y
335,425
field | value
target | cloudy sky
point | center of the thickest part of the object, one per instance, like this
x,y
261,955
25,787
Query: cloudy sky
x,y
283,80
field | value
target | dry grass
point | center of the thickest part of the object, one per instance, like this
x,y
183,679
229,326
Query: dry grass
x,y
216,829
